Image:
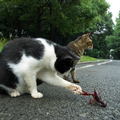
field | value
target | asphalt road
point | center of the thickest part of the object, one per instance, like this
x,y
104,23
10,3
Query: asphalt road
x,y
60,104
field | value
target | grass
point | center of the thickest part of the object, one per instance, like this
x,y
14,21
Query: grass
x,y
3,41
88,58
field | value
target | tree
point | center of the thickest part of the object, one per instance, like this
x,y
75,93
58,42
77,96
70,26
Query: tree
x,y
104,28
42,17
58,20
114,40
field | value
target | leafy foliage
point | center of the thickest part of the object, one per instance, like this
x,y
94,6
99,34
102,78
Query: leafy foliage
x,y
58,20
114,40
105,28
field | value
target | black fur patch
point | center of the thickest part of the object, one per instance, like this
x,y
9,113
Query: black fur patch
x,y
7,78
65,59
14,50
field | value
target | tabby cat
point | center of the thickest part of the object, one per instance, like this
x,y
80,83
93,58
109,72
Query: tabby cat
x,y
78,46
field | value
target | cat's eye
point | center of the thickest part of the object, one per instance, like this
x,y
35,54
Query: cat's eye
x,y
89,43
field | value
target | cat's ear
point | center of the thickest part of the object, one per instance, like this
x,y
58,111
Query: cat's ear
x,y
64,64
86,35
69,60
78,38
90,34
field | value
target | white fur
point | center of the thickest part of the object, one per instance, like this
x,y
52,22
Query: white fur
x,y
29,69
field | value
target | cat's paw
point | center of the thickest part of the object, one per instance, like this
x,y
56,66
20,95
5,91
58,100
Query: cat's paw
x,y
76,81
37,95
76,89
14,93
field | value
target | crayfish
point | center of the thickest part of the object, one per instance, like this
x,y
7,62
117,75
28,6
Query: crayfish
x,y
96,98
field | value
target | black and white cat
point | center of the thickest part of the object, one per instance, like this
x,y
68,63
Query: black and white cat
x,y
25,60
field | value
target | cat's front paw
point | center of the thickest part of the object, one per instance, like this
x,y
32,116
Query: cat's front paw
x,y
14,93
37,95
75,89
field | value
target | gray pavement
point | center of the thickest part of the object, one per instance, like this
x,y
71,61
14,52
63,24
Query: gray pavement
x,y
60,104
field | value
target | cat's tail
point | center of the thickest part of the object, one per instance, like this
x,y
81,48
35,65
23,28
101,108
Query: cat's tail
x,y
4,89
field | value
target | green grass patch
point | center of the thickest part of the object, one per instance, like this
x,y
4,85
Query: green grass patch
x,y
3,41
88,58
